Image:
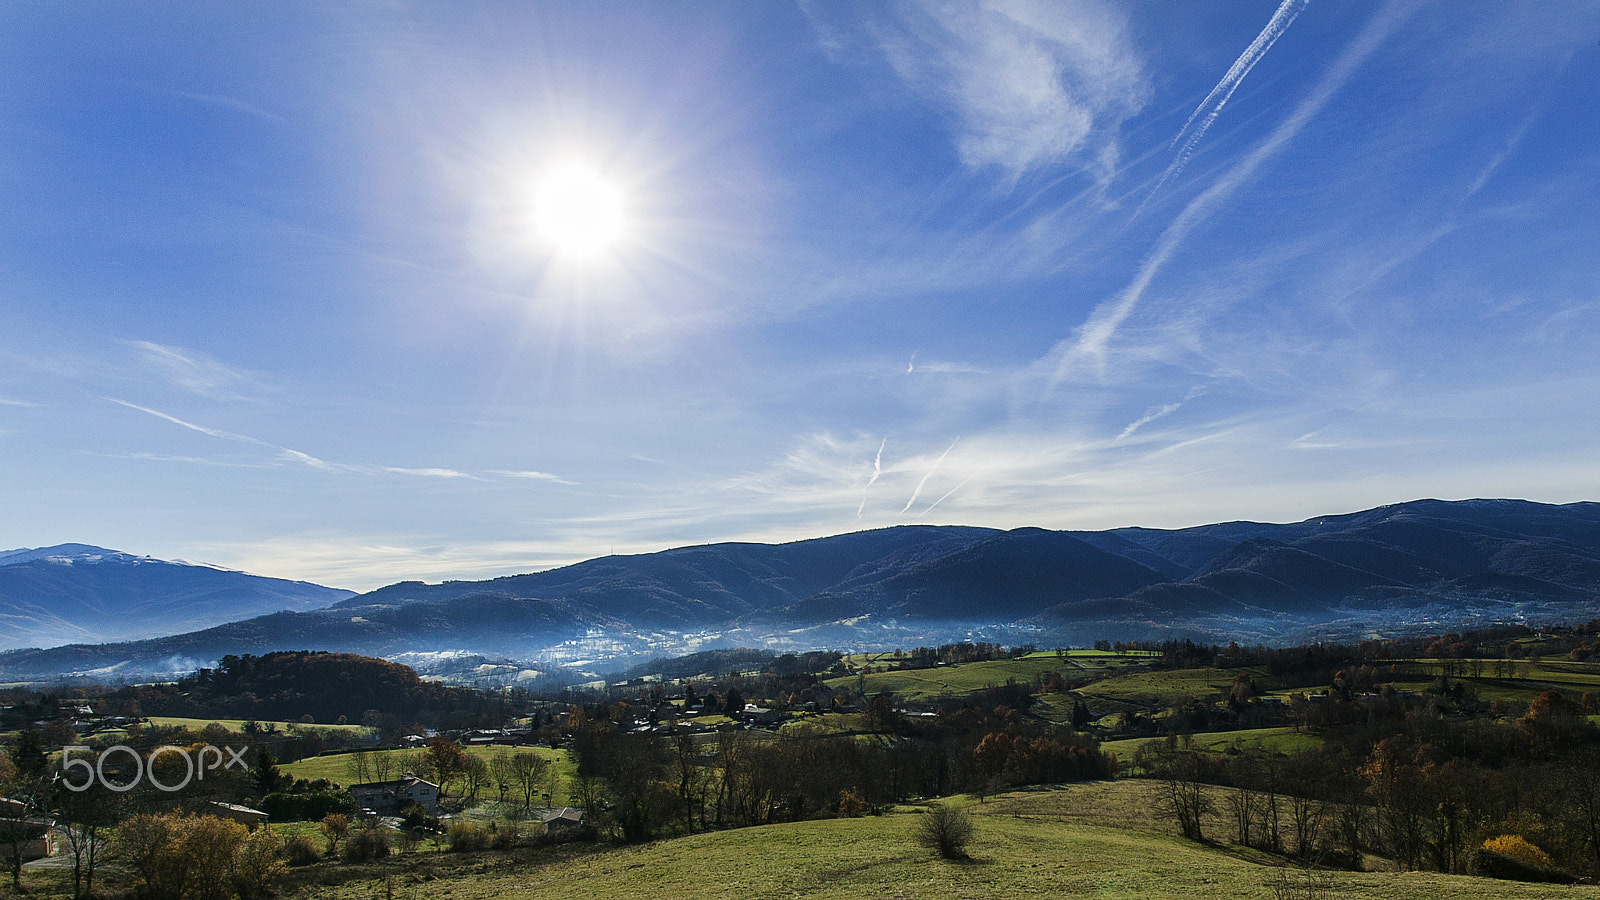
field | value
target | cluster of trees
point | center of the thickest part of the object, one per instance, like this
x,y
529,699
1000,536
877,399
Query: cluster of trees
x,y
1315,664
653,785
953,654
181,856
1405,779
329,687
306,687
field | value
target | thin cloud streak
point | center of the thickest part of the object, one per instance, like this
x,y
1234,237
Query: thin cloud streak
x,y
1154,414
287,454
877,469
951,491
1212,105
918,492
194,460
531,475
213,432
1147,418
428,472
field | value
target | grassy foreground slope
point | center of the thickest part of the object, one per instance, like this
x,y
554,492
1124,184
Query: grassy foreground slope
x,y
1045,844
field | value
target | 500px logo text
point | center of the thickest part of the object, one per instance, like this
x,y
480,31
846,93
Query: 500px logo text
x,y
208,758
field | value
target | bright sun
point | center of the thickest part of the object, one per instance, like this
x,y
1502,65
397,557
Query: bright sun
x,y
578,211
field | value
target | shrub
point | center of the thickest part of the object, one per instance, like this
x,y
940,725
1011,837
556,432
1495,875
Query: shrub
x,y
1513,858
1513,846
335,827
464,837
850,803
308,806
415,815
258,861
366,844
300,850
947,830
178,855
504,836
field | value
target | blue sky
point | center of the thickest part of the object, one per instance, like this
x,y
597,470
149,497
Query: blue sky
x,y
270,295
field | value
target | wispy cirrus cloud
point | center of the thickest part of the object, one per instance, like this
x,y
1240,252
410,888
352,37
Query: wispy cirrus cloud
x,y
225,102
1027,84
531,475
194,371
192,460
429,472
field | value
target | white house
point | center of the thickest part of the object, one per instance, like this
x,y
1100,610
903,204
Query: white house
x,y
385,796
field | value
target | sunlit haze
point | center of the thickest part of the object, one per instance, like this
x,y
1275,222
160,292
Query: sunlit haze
x,y
363,292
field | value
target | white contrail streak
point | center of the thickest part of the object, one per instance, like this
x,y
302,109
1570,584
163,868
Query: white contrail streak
x,y
1211,107
877,469
213,432
951,491
918,492
1146,419
295,456
1094,337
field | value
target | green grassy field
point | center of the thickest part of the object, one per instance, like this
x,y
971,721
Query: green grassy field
x,y
918,685
1035,844
1096,839
1146,689
1272,740
237,725
336,766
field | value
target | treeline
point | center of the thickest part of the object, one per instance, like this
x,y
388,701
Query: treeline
x,y
1577,642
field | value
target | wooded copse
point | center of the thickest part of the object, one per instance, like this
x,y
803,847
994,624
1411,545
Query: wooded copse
x,y
654,785
1416,779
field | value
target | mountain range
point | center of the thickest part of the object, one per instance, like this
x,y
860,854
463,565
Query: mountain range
x,y
75,593
1417,566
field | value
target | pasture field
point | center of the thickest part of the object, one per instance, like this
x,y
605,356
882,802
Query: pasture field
x,y
826,723
919,685
1166,688
336,766
1522,682
1042,844
1096,839
1275,740
237,725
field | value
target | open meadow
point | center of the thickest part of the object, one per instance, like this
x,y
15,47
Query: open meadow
x,y
960,680
336,766
237,725
1093,839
